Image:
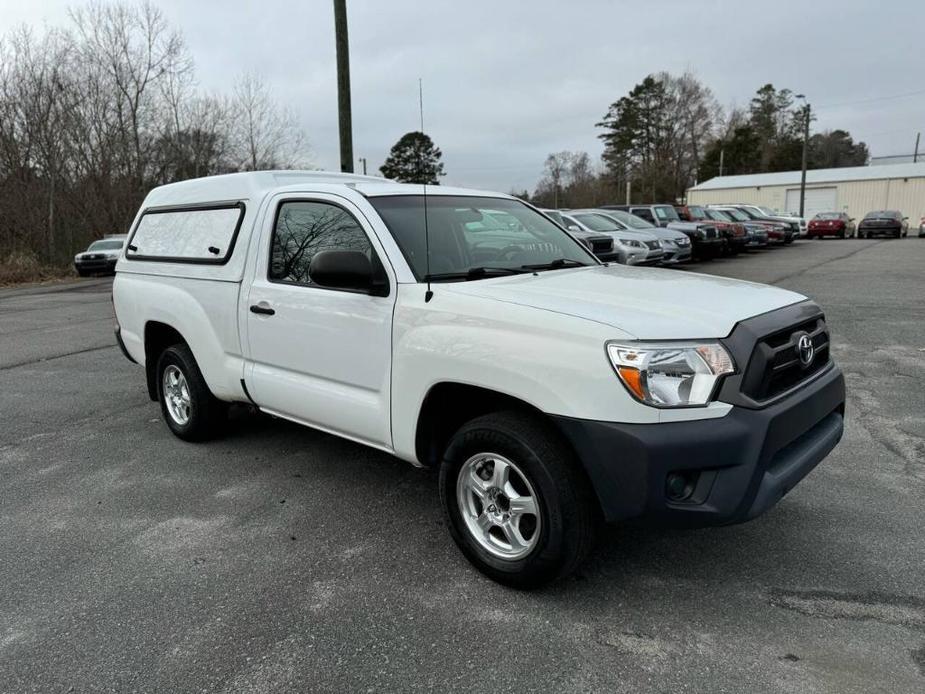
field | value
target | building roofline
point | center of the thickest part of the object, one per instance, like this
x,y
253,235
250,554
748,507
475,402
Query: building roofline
x,y
815,176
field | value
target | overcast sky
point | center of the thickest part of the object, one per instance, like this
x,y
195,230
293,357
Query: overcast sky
x,y
505,83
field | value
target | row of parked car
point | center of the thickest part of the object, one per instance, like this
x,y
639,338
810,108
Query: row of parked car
x,y
875,223
670,234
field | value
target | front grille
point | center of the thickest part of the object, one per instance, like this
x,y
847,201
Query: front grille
x,y
601,245
709,232
775,365
652,245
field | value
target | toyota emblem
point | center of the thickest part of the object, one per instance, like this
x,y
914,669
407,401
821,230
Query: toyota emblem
x,y
805,350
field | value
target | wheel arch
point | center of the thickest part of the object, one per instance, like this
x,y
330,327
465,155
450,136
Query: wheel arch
x,y
450,404
158,336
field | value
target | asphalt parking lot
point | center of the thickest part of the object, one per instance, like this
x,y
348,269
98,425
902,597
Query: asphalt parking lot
x,y
282,559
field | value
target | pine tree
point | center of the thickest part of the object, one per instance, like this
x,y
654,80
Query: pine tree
x,y
414,159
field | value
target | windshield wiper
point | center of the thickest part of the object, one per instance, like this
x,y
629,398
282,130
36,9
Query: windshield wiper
x,y
474,273
555,264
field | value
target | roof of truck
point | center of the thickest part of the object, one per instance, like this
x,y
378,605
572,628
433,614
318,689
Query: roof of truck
x,y
256,184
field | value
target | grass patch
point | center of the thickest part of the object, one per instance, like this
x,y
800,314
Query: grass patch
x,y
25,268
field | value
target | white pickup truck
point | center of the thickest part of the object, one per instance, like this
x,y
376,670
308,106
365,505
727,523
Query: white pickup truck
x,y
466,330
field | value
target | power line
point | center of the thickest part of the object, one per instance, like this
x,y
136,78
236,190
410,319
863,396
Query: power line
x,y
871,100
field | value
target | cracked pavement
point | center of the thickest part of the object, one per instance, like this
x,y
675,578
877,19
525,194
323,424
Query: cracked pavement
x,y
283,559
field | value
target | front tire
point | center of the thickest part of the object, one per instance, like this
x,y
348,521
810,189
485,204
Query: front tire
x,y
191,411
516,501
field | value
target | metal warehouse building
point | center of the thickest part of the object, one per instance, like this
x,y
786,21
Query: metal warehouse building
x,y
856,190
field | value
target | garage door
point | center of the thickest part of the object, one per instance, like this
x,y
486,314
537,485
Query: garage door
x,y
817,200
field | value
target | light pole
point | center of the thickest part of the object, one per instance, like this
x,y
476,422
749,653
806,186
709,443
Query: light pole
x,y
345,125
806,115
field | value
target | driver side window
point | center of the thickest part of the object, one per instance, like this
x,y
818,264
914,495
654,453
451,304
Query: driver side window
x,y
305,228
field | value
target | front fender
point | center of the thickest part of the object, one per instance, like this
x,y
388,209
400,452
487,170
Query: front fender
x,y
555,363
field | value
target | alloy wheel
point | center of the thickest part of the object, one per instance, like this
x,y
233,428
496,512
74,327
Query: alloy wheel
x,y
499,506
177,395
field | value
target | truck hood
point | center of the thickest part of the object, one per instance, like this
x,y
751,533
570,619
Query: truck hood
x,y
647,303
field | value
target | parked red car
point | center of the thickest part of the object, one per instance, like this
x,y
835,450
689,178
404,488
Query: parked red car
x,y
830,224
777,231
733,233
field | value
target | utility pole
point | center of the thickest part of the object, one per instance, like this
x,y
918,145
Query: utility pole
x,y
915,157
806,116
722,157
343,86
362,160
628,184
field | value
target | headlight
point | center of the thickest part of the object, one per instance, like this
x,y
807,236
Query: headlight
x,y
631,242
668,374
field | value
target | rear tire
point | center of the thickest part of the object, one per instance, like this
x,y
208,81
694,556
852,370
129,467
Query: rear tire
x,y
544,545
191,411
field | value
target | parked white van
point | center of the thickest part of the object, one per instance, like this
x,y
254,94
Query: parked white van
x,y
552,391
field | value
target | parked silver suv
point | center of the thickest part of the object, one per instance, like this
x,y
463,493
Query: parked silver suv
x,y
634,247
675,244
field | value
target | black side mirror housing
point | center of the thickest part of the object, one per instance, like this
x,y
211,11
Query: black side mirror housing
x,y
348,270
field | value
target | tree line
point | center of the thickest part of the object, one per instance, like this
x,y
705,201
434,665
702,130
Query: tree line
x,y
669,132
96,113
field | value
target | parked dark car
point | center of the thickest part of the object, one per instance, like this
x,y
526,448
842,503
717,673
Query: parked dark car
x,y
599,244
100,258
733,233
778,232
831,224
883,222
756,235
705,237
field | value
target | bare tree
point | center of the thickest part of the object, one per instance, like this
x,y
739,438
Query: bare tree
x,y
265,136
95,114
135,50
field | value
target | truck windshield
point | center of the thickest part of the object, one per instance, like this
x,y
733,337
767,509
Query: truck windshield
x,y
737,215
666,212
696,212
469,237
113,245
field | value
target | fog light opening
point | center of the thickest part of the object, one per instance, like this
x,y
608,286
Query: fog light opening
x,y
680,485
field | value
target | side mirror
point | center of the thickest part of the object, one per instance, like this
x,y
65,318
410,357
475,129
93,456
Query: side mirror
x,y
350,270
572,227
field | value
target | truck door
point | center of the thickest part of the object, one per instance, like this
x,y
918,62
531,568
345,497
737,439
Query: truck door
x,y
319,356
